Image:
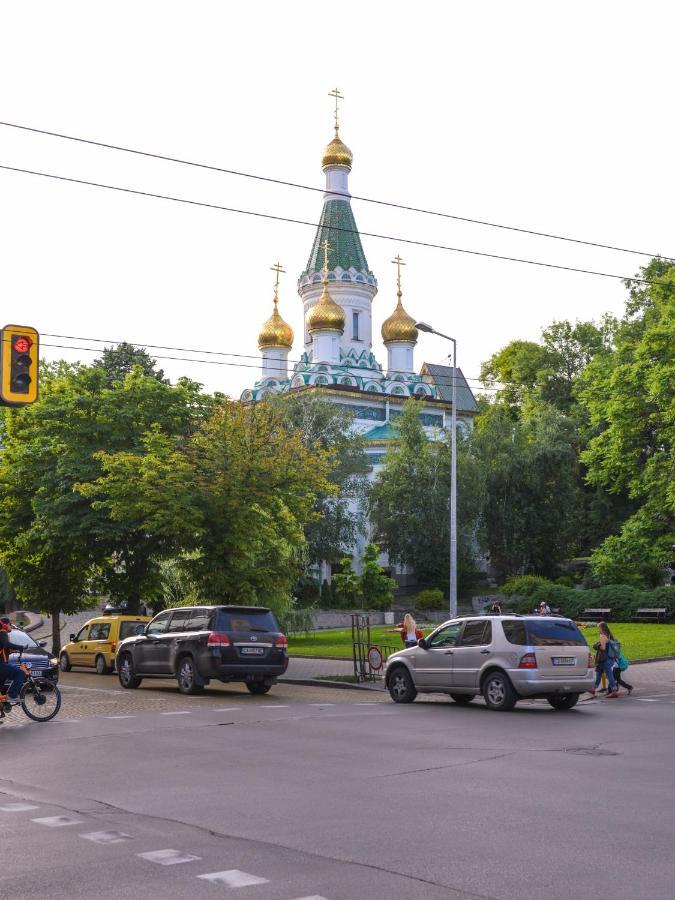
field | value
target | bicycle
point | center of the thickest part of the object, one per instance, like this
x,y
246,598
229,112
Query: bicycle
x,y
40,699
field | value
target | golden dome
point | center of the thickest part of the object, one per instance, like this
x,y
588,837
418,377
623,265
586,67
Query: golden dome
x,y
326,315
337,154
399,326
275,332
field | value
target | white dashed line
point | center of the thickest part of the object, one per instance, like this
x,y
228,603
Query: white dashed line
x,y
233,878
17,807
106,837
57,821
119,717
368,703
168,857
227,709
646,700
321,704
274,707
179,712
313,897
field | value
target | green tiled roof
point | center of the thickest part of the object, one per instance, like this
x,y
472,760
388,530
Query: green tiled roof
x,y
345,246
381,433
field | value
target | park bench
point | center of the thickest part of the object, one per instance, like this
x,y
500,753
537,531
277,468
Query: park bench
x,y
651,615
596,615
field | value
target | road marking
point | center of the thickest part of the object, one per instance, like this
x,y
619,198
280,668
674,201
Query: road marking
x,y
168,857
57,821
233,878
119,717
226,709
17,807
275,706
106,837
313,897
320,704
180,712
66,721
646,700
72,687
368,703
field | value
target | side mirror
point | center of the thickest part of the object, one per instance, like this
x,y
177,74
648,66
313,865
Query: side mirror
x,y
72,637
42,643
422,643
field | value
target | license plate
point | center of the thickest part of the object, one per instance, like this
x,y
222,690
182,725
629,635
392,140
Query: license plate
x,y
564,660
253,651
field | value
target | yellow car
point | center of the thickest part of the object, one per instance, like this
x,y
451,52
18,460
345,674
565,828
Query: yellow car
x,y
95,644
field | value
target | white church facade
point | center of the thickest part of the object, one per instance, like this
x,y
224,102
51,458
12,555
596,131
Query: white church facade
x,y
337,290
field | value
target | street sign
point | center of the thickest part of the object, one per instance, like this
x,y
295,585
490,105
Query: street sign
x,y
375,658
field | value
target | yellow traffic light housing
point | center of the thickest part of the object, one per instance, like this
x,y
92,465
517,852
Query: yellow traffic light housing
x,y
19,362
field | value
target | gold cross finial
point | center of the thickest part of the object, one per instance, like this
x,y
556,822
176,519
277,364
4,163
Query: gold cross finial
x,y
338,96
398,262
277,268
325,260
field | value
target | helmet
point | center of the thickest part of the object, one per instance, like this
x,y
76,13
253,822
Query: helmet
x,y
5,623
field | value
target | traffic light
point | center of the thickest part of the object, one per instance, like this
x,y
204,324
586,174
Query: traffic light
x,y
19,351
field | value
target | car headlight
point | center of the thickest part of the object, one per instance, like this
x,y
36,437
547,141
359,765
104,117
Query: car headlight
x,y
53,661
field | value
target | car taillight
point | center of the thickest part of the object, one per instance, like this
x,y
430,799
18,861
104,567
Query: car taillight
x,y
528,661
281,643
113,646
217,639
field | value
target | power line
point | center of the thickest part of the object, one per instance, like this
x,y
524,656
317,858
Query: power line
x,y
306,187
443,379
386,237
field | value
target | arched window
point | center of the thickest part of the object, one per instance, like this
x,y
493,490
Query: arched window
x,y
321,379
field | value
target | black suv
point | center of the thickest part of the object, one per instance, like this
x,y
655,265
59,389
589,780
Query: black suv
x,y
197,643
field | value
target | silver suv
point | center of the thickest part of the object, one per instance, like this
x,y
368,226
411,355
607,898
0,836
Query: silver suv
x,y
504,658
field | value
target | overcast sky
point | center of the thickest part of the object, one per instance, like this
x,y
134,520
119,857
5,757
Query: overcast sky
x,y
554,117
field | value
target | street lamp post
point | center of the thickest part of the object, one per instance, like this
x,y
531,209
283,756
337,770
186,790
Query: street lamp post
x,y
453,468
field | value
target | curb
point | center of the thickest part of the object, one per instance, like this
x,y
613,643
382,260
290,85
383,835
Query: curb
x,y
317,682
650,659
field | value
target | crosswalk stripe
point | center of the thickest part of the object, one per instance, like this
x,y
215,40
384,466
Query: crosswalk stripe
x,y
233,878
17,807
178,712
168,857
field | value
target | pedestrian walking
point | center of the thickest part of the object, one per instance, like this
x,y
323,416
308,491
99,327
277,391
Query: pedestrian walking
x,y
495,609
544,609
410,633
619,667
605,658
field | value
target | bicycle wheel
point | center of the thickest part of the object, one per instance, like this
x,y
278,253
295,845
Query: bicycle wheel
x,y
40,699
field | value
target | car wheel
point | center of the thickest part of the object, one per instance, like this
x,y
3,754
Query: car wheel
x,y
187,677
498,692
258,687
462,699
102,668
126,674
401,686
563,701
64,663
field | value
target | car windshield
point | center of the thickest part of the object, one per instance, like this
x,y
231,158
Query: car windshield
x,y
246,620
553,633
21,639
127,629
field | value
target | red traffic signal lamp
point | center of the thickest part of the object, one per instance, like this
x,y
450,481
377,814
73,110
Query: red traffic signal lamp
x,y
19,362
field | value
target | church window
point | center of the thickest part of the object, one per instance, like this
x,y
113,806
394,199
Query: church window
x,y
317,277
355,326
322,369
346,277
321,379
346,381
360,278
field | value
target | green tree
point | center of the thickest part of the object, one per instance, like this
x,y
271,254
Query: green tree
x,y
376,588
120,361
631,402
410,497
345,585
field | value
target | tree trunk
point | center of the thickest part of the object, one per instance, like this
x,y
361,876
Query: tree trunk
x,y
56,633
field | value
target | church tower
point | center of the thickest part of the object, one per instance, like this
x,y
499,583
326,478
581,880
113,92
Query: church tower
x,y
399,333
275,339
352,284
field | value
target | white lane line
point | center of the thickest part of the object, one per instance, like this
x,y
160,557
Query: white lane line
x,y
233,878
119,717
57,821
180,712
17,807
275,706
227,709
106,837
321,704
313,897
646,700
65,721
369,703
168,857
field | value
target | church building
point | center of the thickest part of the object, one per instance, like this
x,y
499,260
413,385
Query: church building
x,y
337,289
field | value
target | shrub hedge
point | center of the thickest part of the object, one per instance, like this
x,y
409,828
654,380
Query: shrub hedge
x,y
432,598
622,599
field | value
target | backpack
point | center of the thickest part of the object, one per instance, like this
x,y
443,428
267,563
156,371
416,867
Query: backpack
x,y
613,649
622,663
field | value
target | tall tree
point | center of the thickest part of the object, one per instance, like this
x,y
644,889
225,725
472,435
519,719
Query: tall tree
x,y
120,361
409,503
631,401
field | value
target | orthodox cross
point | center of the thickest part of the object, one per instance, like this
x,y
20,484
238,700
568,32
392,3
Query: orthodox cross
x,y
398,262
338,96
277,268
325,259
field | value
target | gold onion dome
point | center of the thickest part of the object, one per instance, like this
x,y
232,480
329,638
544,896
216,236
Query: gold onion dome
x,y
275,332
326,315
337,154
399,326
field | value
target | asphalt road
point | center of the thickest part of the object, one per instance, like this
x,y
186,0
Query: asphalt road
x,y
318,793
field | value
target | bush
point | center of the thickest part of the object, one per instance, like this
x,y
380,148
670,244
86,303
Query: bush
x,y
523,585
565,581
432,598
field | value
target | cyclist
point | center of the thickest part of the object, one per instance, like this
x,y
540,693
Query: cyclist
x,y
9,671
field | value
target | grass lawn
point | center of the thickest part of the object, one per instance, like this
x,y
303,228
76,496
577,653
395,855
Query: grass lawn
x,y
638,640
